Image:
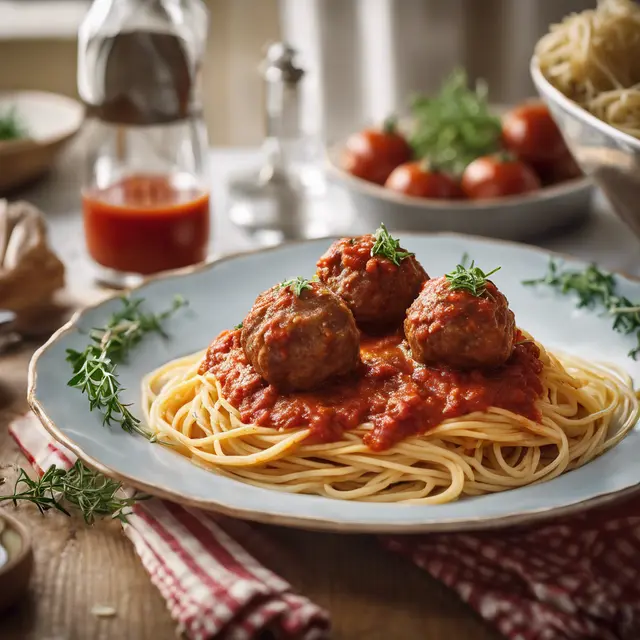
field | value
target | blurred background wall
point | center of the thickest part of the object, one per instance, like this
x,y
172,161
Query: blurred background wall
x,y
363,57
38,51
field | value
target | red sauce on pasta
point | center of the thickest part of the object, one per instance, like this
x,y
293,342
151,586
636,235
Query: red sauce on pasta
x,y
399,396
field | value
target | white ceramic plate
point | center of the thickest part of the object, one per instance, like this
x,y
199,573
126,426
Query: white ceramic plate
x,y
222,293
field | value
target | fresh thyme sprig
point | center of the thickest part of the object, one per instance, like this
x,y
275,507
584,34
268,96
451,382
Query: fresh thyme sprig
x,y
472,279
456,126
79,488
11,126
298,284
94,369
595,288
388,247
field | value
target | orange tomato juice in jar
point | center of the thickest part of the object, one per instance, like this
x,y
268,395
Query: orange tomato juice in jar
x,y
143,224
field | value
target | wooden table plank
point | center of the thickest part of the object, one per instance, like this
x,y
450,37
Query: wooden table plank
x,y
370,593
76,567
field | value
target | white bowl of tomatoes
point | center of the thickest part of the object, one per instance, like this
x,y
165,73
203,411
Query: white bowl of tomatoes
x,y
460,165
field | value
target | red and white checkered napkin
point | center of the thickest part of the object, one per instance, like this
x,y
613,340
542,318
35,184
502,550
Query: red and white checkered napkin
x,y
575,579
212,585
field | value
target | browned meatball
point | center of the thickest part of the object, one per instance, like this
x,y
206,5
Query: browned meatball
x,y
458,328
297,337
377,290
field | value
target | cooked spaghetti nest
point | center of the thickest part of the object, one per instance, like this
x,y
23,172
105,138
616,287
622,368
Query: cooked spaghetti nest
x,y
593,57
586,409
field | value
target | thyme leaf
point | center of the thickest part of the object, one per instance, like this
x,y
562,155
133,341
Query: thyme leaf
x,y
11,126
298,284
78,488
594,288
95,368
472,279
388,247
456,126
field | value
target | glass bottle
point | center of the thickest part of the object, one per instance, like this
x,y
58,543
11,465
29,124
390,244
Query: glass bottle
x,y
145,195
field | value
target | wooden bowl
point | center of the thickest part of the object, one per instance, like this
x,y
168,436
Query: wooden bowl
x,y
18,565
50,121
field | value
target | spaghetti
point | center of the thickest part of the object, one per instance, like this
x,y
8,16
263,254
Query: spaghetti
x,y
593,57
584,409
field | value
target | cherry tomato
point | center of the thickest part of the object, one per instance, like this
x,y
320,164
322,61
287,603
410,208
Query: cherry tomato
x,y
530,133
416,179
559,170
495,177
373,154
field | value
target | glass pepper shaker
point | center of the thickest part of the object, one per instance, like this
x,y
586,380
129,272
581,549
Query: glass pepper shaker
x,y
145,195
280,199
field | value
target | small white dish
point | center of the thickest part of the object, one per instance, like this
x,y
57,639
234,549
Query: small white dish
x,y
220,295
50,120
524,217
16,559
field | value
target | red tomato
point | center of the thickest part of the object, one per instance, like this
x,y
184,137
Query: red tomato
x,y
495,177
416,179
373,154
530,133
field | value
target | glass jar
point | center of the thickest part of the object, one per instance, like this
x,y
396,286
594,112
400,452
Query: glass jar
x,y
145,195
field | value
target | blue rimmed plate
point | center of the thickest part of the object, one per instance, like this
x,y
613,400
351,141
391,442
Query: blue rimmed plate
x,y
219,296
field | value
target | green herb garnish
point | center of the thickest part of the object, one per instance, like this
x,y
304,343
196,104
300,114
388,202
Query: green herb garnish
x,y
388,247
298,285
238,326
472,279
94,369
11,126
456,126
595,288
80,488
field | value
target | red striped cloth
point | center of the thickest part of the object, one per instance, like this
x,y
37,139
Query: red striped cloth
x,y
571,579
574,579
213,587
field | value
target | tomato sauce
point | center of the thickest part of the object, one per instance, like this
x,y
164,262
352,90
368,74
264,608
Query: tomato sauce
x,y
353,255
399,396
147,223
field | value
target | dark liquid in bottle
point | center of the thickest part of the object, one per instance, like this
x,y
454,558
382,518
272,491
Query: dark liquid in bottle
x,y
147,78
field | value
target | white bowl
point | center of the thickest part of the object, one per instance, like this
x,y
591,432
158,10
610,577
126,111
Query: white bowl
x,y
609,155
51,120
512,218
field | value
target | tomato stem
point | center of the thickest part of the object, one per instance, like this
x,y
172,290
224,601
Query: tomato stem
x,y
390,124
433,166
505,156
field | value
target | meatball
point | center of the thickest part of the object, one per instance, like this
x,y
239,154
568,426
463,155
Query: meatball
x,y
299,334
458,328
377,289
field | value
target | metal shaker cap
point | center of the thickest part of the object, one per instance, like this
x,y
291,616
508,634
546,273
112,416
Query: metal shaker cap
x,y
279,65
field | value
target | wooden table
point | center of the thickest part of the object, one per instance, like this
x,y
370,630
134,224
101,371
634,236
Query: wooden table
x,y
369,592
